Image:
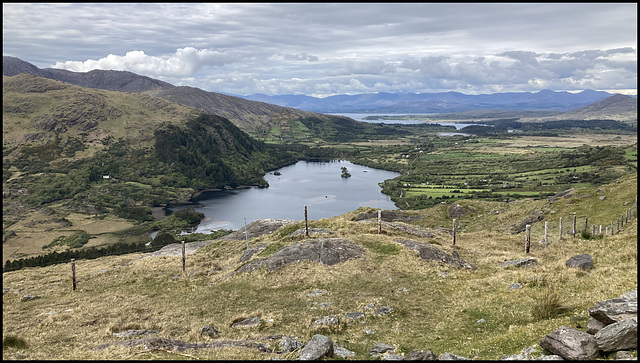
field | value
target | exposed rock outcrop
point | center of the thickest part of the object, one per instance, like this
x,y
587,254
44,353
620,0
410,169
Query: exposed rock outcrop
x,y
428,252
328,251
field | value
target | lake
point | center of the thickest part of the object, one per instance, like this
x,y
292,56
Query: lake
x,y
317,185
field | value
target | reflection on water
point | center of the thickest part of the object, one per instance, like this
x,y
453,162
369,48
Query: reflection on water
x,y
318,185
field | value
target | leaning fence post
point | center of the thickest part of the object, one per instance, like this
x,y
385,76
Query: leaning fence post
x,y
306,223
454,231
546,226
73,273
527,241
183,258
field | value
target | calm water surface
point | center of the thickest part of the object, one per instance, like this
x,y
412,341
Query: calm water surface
x,y
361,116
317,185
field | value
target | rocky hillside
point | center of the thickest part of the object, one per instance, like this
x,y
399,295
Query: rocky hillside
x,y
248,115
348,287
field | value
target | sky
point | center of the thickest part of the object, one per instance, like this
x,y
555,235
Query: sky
x,y
323,49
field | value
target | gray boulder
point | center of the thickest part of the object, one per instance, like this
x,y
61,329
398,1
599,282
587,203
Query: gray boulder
x,y
328,251
451,356
428,252
380,348
618,336
247,323
383,310
521,356
421,355
392,357
28,297
354,315
326,320
570,344
343,352
613,310
290,344
583,262
594,326
523,262
317,348
549,357
210,331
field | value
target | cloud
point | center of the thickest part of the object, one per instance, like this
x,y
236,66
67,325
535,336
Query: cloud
x,y
319,48
185,62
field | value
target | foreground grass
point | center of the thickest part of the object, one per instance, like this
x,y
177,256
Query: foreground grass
x,y
435,307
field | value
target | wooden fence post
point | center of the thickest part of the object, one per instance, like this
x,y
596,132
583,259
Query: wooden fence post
x,y
574,226
73,273
546,240
306,223
379,222
454,231
606,230
527,241
600,230
560,237
586,224
593,229
184,258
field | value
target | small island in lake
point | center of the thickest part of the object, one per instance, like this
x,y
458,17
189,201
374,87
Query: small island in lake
x,y
345,172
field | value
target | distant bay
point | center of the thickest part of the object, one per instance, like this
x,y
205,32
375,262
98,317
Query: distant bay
x,y
361,116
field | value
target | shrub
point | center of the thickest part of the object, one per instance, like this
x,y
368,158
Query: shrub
x,y
11,341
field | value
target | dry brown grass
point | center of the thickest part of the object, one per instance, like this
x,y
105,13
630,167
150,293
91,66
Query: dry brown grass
x,y
435,307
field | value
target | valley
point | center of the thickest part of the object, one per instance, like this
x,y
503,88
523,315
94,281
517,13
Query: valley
x,y
87,166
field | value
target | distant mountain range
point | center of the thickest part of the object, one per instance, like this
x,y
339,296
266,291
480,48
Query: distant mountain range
x,y
446,102
257,111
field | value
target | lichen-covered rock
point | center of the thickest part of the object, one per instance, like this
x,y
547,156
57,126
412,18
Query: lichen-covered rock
x,y
317,348
616,309
618,336
326,320
523,262
421,355
430,253
451,356
583,262
380,348
290,344
328,251
570,344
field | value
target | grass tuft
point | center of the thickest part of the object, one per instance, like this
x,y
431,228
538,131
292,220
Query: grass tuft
x,y
547,306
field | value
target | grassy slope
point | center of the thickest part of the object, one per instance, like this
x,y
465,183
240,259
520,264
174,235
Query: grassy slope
x,y
435,312
32,100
